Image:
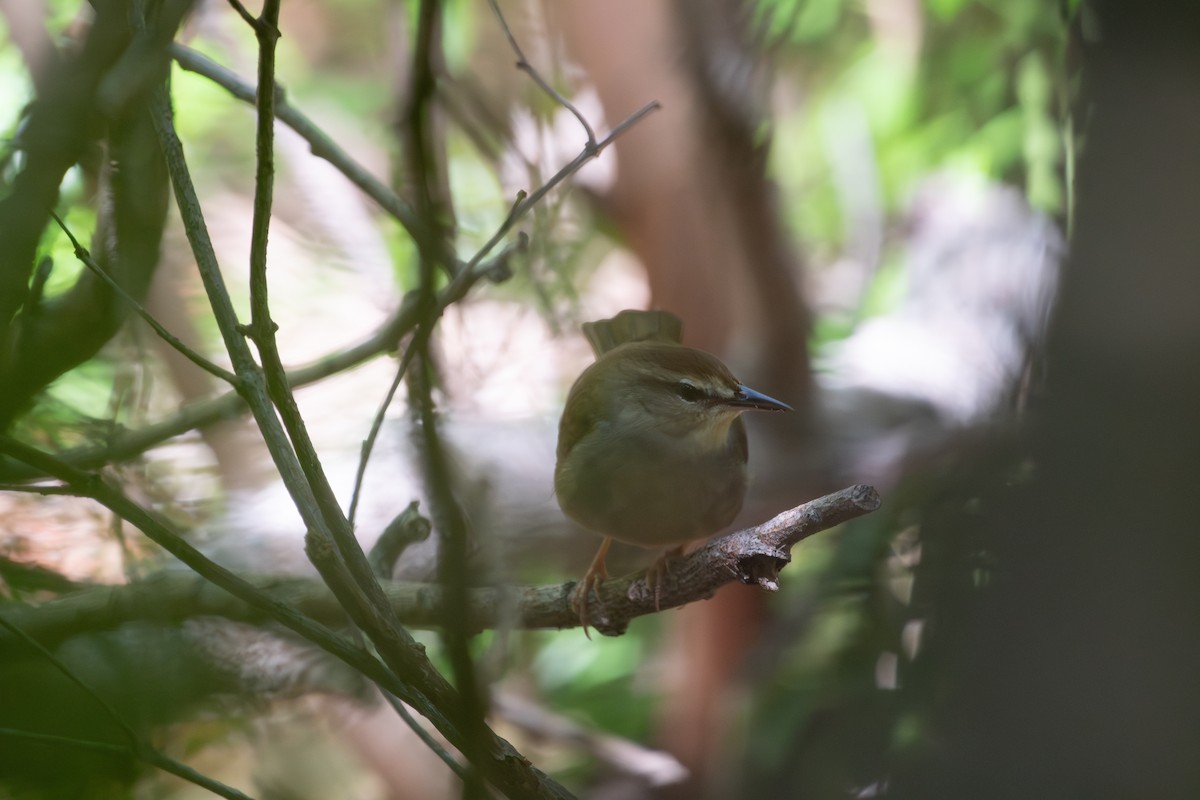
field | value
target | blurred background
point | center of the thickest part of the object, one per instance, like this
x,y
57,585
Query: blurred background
x,y
868,209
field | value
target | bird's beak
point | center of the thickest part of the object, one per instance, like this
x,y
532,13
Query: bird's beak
x,y
748,398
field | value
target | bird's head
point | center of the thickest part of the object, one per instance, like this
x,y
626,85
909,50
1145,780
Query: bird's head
x,y
679,390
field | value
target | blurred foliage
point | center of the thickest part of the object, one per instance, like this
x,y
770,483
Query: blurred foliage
x,y
945,84
972,87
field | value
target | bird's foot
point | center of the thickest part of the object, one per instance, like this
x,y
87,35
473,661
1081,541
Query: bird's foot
x,y
581,597
597,573
658,572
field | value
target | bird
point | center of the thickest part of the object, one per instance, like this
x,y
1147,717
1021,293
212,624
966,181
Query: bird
x,y
651,448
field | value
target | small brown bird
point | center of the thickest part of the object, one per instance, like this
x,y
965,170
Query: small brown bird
x,y
651,447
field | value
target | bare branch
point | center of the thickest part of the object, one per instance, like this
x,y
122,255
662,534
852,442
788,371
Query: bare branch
x,y
136,747
426,738
376,425
266,29
150,756
249,18
524,65
200,361
320,142
522,208
656,768
130,444
409,527
252,386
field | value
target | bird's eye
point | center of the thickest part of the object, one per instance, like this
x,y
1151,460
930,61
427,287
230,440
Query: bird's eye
x,y
689,392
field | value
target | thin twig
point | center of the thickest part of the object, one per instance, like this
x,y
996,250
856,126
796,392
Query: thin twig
x,y
368,444
655,767
130,444
251,383
200,361
250,19
463,279
324,147
148,756
327,519
524,65
425,736
407,528
567,171
266,29
33,644
591,148
321,144
136,747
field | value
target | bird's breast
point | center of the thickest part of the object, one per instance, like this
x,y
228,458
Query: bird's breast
x,y
653,489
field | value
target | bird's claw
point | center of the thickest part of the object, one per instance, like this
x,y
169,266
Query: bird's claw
x,y
580,598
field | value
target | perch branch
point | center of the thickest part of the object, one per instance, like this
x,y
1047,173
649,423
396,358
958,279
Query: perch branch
x,y
752,555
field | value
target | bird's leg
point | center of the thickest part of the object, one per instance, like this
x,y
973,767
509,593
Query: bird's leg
x,y
659,571
596,574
